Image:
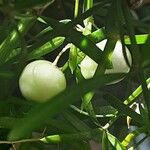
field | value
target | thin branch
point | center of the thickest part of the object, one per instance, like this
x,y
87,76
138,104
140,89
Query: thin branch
x,y
86,114
14,147
20,141
59,55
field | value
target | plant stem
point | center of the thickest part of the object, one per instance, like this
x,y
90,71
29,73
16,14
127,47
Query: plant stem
x,y
86,114
61,52
76,10
20,141
132,135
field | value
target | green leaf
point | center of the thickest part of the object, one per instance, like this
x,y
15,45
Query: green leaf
x,y
51,45
146,94
112,32
112,23
6,74
67,138
78,39
77,123
87,105
86,100
105,59
13,106
131,99
97,35
5,29
73,58
46,48
84,44
13,54
8,122
51,124
131,32
44,31
19,4
62,30
40,51
115,142
105,142
84,135
13,39
122,108
140,39
144,114
97,9
41,112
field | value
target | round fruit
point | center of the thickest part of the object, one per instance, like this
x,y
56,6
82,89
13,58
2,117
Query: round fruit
x,y
41,80
89,66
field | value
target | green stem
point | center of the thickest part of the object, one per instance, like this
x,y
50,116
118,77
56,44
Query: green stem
x,y
132,135
131,99
88,4
76,10
20,141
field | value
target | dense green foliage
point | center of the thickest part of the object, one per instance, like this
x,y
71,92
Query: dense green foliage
x,y
64,32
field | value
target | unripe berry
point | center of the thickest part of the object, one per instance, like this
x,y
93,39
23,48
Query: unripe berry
x,y
41,80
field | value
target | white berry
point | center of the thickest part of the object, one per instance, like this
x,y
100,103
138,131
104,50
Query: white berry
x,y
41,80
89,66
